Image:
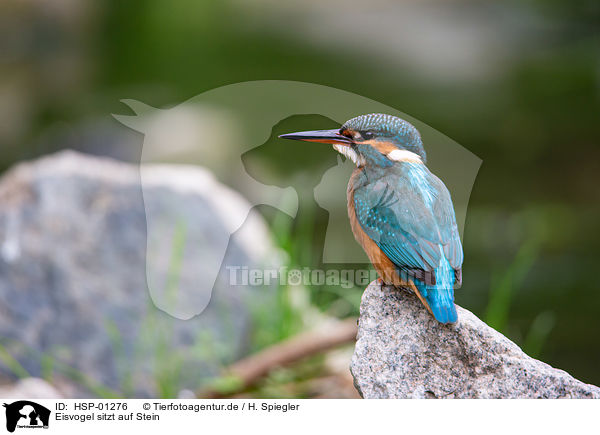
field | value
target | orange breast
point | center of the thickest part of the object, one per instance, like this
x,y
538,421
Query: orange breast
x,y
383,265
385,268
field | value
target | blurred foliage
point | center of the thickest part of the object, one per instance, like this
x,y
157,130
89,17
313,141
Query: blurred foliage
x,y
53,368
531,234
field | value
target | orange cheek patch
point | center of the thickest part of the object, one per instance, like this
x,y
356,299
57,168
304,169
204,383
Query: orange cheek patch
x,y
382,146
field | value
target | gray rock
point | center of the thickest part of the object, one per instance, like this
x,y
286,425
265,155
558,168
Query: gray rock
x,y
30,388
402,352
75,231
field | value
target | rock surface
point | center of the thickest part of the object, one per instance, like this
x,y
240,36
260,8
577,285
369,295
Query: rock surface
x,y
74,299
402,352
30,388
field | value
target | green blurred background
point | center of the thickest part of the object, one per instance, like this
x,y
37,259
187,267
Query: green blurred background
x,y
515,82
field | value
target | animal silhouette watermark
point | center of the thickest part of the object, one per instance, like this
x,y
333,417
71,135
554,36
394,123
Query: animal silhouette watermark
x,y
25,414
213,131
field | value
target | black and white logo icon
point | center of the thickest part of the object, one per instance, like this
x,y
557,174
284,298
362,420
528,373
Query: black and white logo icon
x,y
26,414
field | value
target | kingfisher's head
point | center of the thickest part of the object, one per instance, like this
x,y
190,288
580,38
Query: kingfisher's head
x,y
375,139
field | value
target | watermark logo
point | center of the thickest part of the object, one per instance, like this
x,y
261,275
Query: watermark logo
x,y
284,276
25,414
211,133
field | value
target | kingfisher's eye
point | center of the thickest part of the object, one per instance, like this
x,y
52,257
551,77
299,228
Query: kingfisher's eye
x,y
367,134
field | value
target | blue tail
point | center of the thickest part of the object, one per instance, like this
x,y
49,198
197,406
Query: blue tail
x,y
440,296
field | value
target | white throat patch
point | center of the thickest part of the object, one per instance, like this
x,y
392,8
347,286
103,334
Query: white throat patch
x,y
350,153
404,156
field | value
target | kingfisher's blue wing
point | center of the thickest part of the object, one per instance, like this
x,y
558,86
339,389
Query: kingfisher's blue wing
x,y
411,218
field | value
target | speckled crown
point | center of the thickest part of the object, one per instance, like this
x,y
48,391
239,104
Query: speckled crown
x,y
402,132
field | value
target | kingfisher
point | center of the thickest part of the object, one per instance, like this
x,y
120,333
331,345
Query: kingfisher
x,y
400,212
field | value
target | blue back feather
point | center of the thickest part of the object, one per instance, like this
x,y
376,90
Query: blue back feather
x,y
408,213
440,296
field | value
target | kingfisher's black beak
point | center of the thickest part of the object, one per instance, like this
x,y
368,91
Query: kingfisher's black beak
x,y
323,136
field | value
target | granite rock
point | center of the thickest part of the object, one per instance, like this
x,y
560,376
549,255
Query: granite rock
x,y
402,352
81,240
30,388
